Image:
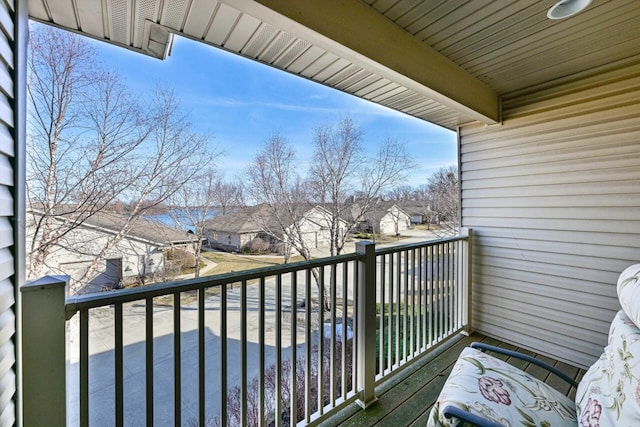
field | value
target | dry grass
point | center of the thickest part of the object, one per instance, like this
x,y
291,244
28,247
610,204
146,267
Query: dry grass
x,y
227,263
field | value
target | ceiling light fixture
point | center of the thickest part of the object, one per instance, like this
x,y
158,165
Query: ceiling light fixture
x,y
566,8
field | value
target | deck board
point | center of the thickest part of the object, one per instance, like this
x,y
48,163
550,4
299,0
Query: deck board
x,y
407,399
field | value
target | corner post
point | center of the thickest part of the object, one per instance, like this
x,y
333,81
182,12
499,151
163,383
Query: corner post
x,y
468,263
44,354
366,331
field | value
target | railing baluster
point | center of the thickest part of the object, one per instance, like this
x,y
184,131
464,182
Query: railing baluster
x,y
452,287
278,349
405,322
345,327
201,359
261,358
457,283
223,354
149,359
177,360
421,304
381,322
243,353
440,294
445,287
293,403
412,281
391,338
307,396
332,363
119,360
431,296
355,343
321,308
398,309
84,368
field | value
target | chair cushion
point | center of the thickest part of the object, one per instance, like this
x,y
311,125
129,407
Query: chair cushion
x,y
609,392
629,293
493,389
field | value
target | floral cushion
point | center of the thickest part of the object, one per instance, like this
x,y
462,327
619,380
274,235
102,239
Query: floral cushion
x,y
493,389
609,393
629,293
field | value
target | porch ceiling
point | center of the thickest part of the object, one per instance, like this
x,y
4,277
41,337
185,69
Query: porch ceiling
x,y
445,61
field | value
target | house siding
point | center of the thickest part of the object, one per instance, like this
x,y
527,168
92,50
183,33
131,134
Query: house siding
x,y
394,222
12,114
553,197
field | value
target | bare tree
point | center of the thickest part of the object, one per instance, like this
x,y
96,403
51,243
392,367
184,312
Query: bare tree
x,y
341,168
422,195
444,190
273,182
400,193
91,145
192,206
227,195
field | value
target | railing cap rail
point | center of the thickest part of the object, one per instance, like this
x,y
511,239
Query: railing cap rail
x,y
75,303
428,243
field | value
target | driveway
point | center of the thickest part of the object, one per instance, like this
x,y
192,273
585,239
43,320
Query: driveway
x,y
101,348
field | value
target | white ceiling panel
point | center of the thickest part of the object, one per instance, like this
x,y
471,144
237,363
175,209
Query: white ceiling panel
x,y
199,17
62,11
91,18
308,57
120,21
508,45
174,14
223,22
277,47
242,33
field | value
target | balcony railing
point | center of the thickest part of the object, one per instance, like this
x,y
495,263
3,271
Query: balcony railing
x,y
259,347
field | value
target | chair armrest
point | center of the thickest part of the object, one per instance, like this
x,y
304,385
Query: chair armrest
x,y
526,358
476,420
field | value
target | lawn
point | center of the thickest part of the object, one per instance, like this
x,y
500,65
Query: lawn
x,y
227,263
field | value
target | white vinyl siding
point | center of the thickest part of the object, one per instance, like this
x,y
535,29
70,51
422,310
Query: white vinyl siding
x,y
8,274
553,197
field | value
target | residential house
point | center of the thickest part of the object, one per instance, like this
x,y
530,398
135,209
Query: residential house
x,y
382,217
138,256
233,231
237,230
419,212
547,113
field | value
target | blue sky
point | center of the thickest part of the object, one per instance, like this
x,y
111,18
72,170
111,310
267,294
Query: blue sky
x,y
241,102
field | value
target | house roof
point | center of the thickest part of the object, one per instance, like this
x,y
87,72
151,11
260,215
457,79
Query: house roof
x,y
446,62
377,211
243,220
144,229
254,219
412,207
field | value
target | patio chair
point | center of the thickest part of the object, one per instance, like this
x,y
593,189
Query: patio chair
x,y
485,391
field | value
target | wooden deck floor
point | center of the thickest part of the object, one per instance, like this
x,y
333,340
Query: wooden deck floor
x,y
407,400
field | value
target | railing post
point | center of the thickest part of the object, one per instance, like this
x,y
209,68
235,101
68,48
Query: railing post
x,y
44,346
468,280
366,332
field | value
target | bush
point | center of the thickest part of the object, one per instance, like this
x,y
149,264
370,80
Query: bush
x,y
234,403
181,258
259,245
222,246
